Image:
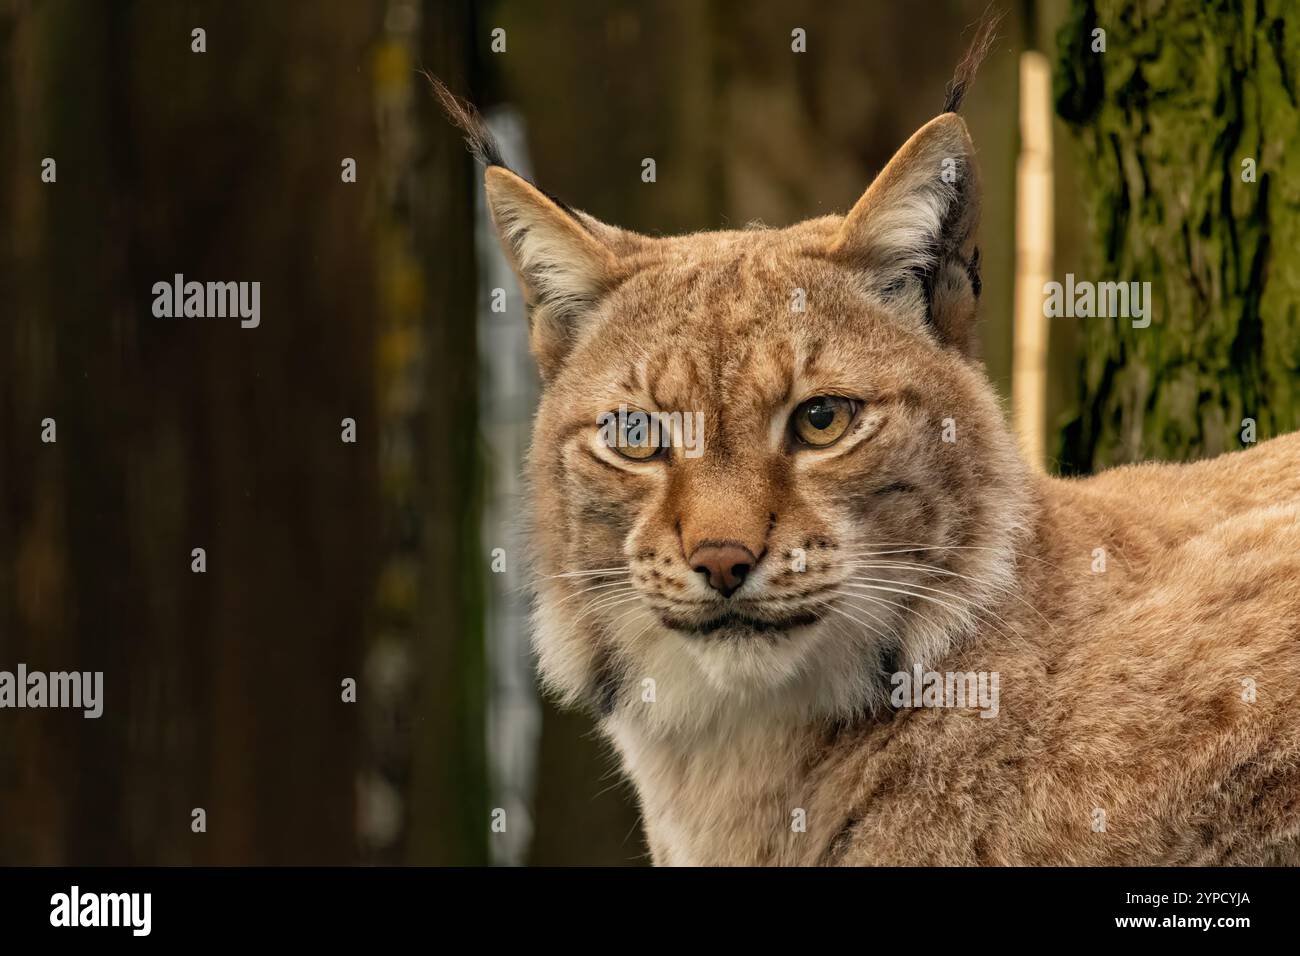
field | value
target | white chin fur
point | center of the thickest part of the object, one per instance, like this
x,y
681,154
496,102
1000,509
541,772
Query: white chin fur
x,y
700,683
756,663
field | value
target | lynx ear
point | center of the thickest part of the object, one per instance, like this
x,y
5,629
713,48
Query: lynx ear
x,y
562,265
912,234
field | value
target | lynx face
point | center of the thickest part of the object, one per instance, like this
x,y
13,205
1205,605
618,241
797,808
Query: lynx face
x,y
854,498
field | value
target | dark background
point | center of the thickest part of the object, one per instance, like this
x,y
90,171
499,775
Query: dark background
x,y
328,560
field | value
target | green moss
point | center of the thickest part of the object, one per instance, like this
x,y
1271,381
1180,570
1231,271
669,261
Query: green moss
x,y
1184,91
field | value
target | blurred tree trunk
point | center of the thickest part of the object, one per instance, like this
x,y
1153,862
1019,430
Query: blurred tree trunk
x,y
449,814
222,690
1184,94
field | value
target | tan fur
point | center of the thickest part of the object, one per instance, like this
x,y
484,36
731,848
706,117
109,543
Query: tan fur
x,y
1123,690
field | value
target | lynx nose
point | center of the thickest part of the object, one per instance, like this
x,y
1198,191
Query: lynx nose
x,y
724,565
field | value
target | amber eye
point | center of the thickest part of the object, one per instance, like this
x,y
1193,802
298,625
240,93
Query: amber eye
x,y
634,434
638,449
823,420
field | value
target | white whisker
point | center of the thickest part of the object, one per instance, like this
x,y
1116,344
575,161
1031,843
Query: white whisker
x,y
973,609
594,587
903,547
606,601
587,571
831,607
916,565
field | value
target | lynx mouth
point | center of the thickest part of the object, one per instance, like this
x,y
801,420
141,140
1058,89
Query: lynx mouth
x,y
735,624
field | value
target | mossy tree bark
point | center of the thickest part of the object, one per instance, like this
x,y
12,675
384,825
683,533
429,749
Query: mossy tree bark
x,y
1184,94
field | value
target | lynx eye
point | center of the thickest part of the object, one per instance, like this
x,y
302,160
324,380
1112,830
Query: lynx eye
x,y
633,434
823,420
638,450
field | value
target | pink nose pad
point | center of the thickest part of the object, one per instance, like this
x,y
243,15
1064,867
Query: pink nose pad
x,y
724,565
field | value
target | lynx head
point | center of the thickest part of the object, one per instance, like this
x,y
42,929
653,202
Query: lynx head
x,y
830,493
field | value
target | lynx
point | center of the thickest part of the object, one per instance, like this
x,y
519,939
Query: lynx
x,y
859,511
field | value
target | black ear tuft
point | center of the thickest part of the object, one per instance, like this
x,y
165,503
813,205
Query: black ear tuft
x,y
482,144
964,75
